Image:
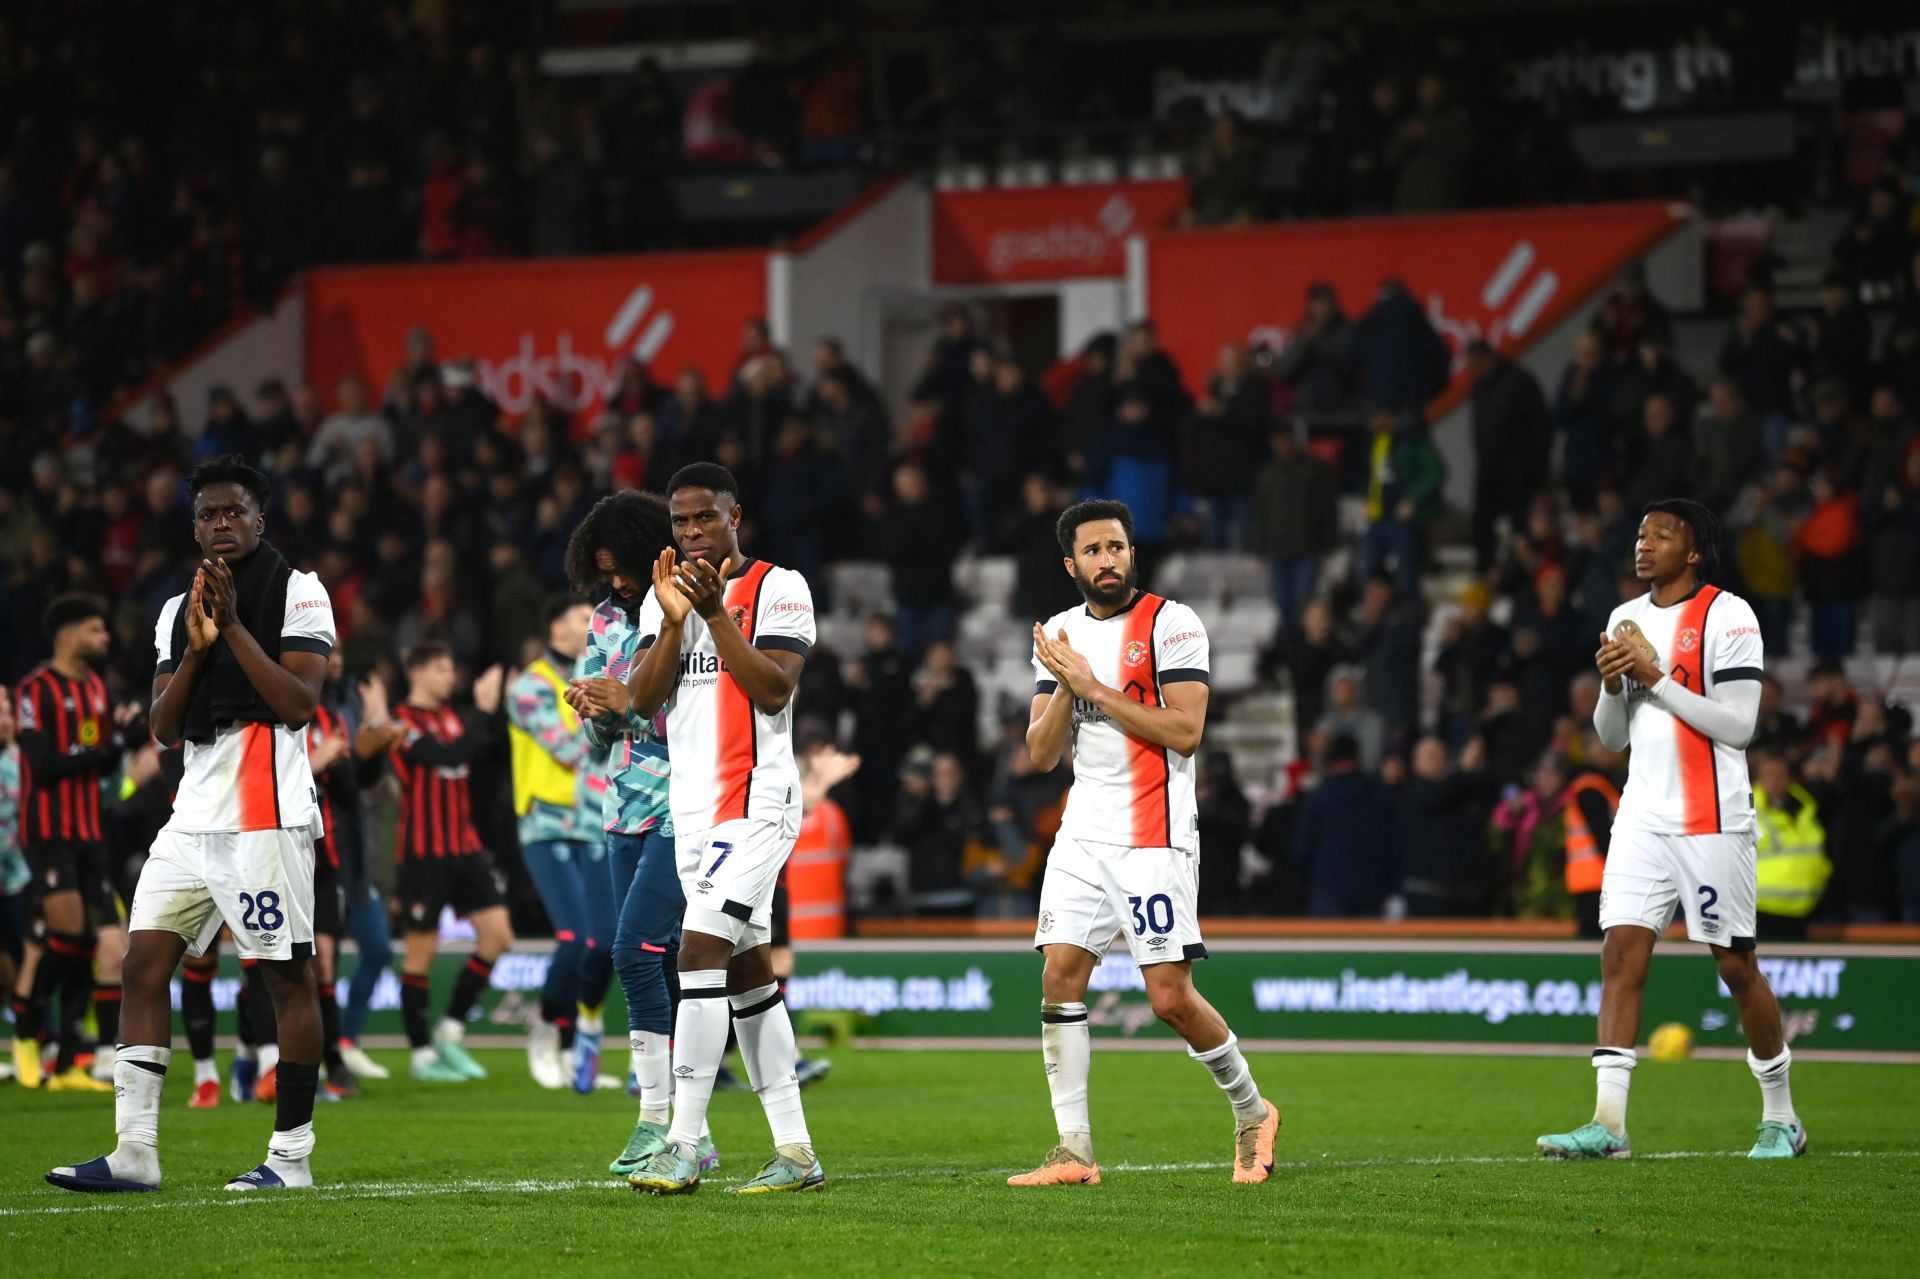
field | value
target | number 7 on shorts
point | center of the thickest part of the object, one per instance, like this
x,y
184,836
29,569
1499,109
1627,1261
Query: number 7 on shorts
x,y
725,849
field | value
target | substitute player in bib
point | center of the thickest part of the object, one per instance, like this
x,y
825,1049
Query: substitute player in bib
x,y
242,659
559,794
1681,669
1124,681
725,637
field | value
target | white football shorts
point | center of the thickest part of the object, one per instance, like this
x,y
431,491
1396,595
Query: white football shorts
x,y
1092,891
258,883
1714,879
729,874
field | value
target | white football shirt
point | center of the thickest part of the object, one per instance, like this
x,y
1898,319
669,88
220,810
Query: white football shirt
x,y
1126,790
728,759
252,776
1679,780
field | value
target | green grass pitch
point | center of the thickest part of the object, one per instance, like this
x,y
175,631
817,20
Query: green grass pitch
x,y
1388,1165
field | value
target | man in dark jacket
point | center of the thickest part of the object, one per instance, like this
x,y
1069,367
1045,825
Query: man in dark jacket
x,y
920,537
1728,452
1317,363
1222,445
1346,841
1512,441
1758,355
1296,520
1448,867
1402,360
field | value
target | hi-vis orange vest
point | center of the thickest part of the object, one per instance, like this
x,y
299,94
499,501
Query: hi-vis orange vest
x,y
1585,864
817,875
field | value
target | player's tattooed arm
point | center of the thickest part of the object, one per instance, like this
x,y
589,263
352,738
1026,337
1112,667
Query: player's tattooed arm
x,y
767,676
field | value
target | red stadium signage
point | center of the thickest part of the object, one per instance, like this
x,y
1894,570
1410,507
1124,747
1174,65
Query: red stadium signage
x,y
1507,277
1046,233
562,329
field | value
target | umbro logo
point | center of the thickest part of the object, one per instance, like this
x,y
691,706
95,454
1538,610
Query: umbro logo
x,y
704,885
269,938
683,1071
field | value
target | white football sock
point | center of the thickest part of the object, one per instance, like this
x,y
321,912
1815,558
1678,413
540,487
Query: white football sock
x,y
243,1052
590,1020
699,1042
425,1055
205,1069
139,1074
1613,1074
269,1057
1230,1070
1066,1044
653,1066
290,1147
449,1031
1776,1096
766,1049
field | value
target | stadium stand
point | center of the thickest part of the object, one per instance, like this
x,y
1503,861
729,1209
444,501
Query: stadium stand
x,y
1787,402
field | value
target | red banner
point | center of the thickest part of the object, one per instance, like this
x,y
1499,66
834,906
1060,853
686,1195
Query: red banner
x,y
562,328
1046,233
1507,277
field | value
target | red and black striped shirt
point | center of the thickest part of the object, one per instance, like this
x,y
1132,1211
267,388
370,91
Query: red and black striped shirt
x,y
325,724
67,746
432,763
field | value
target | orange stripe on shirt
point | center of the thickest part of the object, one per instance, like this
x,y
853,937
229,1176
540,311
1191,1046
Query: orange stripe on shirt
x,y
735,747
1693,749
1146,762
256,791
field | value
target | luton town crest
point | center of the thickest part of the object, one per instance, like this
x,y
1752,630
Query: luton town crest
x,y
1136,653
1689,640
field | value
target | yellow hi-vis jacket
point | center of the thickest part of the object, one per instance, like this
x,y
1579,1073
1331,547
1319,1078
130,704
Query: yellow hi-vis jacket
x,y
1792,850
536,773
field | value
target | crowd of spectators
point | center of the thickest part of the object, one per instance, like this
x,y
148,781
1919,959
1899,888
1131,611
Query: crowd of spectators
x,y
430,514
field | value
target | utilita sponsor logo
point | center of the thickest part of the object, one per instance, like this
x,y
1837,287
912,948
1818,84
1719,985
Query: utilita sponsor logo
x,y
1064,242
569,377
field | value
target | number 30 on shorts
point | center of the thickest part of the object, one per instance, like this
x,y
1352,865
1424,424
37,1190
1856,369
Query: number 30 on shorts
x,y
1155,913
260,912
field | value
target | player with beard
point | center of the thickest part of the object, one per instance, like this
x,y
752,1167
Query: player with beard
x,y
1124,682
242,658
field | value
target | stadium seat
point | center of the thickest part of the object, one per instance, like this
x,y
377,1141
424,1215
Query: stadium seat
x,y
860,587
986,580
1233,674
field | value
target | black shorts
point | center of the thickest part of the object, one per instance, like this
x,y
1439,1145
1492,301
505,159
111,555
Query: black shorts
x,y
781,935
69,866
329,899
469,882
13,925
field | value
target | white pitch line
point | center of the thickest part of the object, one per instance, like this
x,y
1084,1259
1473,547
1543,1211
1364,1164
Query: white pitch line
x,y
427,1189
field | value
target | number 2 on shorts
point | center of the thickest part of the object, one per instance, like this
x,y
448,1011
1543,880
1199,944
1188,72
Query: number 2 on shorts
x,y
725,849
1712,896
